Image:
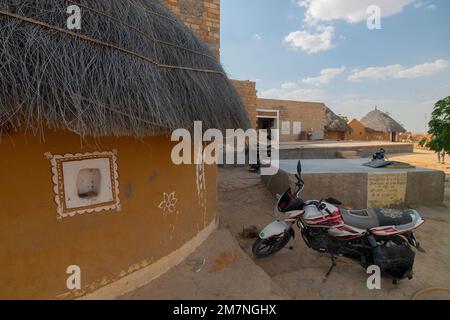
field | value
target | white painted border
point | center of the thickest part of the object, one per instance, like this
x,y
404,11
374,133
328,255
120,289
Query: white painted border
x,y
146,275
56,187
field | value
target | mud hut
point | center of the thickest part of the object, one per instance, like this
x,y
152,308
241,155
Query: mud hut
x,y
88,184
336,128
380,126
359,131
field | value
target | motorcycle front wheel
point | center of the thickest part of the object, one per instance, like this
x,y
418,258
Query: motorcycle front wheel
x,y
263,248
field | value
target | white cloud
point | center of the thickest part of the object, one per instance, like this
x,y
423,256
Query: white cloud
x,y
421,4
257,36
398,71
292,91
317,34
352,11
289,85
326,75
320,39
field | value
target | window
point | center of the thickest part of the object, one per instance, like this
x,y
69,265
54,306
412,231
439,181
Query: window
x,y
85,183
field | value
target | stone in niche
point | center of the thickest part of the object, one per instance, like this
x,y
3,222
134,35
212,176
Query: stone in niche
x,y
88,183
191,7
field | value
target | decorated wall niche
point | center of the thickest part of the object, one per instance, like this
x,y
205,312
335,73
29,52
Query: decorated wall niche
x,y
85,183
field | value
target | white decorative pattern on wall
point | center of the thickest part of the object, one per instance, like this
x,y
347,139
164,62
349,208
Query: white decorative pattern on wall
x,y
85,183
168,205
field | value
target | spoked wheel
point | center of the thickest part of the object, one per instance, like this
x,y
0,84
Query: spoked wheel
x,y
264,248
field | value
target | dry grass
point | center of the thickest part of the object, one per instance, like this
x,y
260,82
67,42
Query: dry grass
x,y
52,78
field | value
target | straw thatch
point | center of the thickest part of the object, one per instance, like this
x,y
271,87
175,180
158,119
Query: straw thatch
x,y
133,69
377,120
335,123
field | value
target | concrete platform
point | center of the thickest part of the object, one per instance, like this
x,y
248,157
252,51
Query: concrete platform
x,y
360,187
329,149
332,149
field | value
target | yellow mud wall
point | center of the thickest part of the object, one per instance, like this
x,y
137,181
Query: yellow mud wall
x,y
36,248
358,133
379,136
335,135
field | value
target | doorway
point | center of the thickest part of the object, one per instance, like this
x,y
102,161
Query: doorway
x,y
265,123
394,136
267,119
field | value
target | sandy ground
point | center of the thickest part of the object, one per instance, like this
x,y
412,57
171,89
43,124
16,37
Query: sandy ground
x,y
224,268
217,270
427,159
422,158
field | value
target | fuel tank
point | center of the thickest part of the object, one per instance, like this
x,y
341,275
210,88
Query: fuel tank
x,y
327,217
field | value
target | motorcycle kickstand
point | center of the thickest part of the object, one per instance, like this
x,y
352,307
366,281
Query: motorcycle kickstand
x,y
333,264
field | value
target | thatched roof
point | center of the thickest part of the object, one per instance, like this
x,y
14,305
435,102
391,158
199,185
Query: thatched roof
x,y
335,123
133,69
377,120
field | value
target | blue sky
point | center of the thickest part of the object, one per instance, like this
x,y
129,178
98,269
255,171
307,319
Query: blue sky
x,y
322,50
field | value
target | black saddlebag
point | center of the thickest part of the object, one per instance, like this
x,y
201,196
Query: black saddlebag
x,y
395,262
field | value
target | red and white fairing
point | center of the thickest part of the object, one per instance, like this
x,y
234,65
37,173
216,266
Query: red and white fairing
x,y
331,218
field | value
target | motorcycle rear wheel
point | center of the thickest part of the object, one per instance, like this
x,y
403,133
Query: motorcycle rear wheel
x,y
263,248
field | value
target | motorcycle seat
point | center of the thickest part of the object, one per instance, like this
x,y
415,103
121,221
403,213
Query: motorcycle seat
x,y
372,218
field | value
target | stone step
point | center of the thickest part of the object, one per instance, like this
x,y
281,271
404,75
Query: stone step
x,y
347,155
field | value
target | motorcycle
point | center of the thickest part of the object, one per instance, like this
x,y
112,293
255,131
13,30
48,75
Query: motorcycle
x,y
381,237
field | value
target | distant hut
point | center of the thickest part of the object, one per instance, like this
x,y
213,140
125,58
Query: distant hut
x,y
86,173
336,128
380,126
359,131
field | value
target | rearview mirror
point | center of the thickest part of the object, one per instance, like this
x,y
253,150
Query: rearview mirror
x,y
299,168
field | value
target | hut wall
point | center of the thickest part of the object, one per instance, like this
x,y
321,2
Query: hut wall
x,y
202,16
358,133
36,248
311,115
335,135
379,136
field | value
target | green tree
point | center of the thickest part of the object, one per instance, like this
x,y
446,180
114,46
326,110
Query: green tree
x,y
440,127
345,118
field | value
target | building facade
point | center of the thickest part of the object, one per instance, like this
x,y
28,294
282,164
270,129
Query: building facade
x,y
296,120
202,17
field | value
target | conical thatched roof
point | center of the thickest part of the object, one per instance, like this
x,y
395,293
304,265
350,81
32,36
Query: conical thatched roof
x,y
377,120
335,123
133,69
